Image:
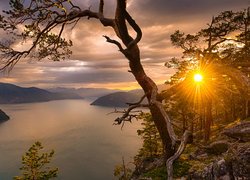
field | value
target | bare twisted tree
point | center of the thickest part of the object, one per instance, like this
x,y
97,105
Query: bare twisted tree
x,y
42,18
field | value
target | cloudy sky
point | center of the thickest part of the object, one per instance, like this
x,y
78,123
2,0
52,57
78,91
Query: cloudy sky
x,y
97,64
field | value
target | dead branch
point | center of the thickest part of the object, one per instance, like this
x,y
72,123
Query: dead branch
x,y
129,113
49,20
136,28
139,102
112,41
127,116
184,141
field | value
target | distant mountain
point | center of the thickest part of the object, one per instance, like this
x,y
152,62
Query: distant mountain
x,y
118,99
3,116
11,94
84,92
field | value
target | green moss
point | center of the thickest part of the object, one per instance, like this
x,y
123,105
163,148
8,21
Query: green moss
x,y
190,149
181,168
217,148
198,165
159,173
247,119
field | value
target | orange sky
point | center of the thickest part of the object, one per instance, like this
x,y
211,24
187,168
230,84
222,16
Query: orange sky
x,y
97,64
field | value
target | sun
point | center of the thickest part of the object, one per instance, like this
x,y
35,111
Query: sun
x,y
198,77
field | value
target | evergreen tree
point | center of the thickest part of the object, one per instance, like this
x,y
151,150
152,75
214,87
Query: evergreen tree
x,y
35,164
152,145
220,53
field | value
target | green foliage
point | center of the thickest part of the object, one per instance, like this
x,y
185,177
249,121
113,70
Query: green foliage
x,y
224,41
152,144
180,168
43,24
159,173
35,164
221,53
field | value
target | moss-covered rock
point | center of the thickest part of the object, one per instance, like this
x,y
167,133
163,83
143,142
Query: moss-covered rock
x,y
240,131
234,164
217,147
240,161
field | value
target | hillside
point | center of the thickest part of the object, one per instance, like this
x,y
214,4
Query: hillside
x,y
118,99
11,94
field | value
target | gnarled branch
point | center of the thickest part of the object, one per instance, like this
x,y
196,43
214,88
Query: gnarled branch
x,y
184,141
137,29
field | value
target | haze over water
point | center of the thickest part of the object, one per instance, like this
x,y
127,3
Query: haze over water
x,y
87,145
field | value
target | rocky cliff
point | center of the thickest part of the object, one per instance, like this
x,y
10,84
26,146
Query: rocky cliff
x,y
224,159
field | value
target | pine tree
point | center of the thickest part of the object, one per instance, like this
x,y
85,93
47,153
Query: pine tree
x,y
35,164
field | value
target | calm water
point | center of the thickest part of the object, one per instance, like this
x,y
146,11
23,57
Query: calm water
x,y
87,145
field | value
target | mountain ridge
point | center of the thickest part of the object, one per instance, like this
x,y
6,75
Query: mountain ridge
x,y
120,99
13,94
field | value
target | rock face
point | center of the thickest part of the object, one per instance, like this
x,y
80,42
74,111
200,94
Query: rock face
x,y
241,162
216,170
232,166
240,132
3,116
225,159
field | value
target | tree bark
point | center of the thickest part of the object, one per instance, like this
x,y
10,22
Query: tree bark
x,y
185,139
160,118
209,119
132,53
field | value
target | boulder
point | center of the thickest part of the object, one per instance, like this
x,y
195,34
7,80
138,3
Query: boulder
x,y
241,161
217,147
215,170
240,132
234,165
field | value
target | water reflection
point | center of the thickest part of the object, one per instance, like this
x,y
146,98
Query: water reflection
x,y
87,145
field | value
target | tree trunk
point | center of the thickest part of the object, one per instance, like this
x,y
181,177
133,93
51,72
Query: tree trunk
x,y
209,119
247,109
159,116
132,53
185,140
184,122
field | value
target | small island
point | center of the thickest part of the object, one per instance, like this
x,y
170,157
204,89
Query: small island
x,y
3,116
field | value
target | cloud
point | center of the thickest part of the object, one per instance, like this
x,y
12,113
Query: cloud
x,y
166,11
96,63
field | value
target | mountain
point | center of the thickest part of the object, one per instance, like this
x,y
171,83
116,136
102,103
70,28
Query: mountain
x,y
118,99
11,94
3,116
84,92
